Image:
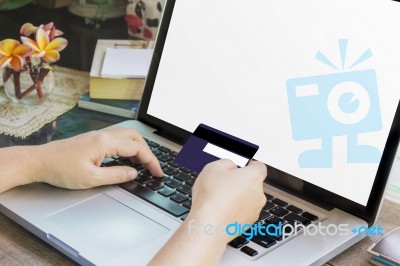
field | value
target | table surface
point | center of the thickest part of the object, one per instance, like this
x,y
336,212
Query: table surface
x,y
19,247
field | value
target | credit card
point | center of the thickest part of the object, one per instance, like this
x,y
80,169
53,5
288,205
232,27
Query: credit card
x,y
208,144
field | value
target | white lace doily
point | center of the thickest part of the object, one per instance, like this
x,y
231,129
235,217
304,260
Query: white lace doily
x,y
21,120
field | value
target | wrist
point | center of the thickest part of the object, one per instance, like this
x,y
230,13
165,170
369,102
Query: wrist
x,y
213,211
37,162
210,225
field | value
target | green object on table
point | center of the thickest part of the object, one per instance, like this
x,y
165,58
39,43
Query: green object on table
x,y
77,121
13,4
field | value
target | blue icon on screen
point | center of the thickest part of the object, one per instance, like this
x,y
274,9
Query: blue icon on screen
x,y
345,103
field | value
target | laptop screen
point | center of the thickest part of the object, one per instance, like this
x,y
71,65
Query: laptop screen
x,y
315,85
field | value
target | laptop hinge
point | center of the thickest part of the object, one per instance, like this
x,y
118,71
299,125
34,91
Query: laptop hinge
x,y
322,204
169,136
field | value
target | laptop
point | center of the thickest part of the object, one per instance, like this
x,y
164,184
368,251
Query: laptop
x,y
318,95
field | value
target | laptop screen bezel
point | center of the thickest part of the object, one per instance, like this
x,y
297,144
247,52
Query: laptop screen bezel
x,y
276,177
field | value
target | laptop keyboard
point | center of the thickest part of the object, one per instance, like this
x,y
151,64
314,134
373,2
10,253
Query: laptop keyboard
x,y
274,212
173,194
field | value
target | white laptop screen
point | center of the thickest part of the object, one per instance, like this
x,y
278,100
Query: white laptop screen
x,y
313,83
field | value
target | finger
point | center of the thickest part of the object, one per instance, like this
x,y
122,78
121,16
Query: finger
x,y
255,169
153,165
137,161
155,168
114,175
224,164
126,133
130,148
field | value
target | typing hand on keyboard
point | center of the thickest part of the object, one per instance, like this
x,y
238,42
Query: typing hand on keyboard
x,y
75,162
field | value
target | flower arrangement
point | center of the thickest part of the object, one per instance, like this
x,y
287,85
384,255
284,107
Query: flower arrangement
x,y
33,56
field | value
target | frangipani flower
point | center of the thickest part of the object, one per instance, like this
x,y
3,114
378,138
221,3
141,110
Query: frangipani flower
x,y
12,54
28,29
43,48
31,61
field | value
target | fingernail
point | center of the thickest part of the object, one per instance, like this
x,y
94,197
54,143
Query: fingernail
x,y
132,173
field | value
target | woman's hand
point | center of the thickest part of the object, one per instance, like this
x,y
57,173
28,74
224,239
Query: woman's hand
x,y
222,194
74,163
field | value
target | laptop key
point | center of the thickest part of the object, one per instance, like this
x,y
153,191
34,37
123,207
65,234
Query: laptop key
x,y
187,204
156,153
173,183
146,172
173,164
126,161
162,164
111,163
164,149
264,241
278,211
249,251
161,179
310,216
185,189
263,215
170,170
277,238
291,230
166,191
194,174
182,176
280,202
186,170
294,209
142,179
153,144
274,220
268,196
138,167
238,242
154,185
179,198
268,205
165,158
173,153
295,218
156,199
190,182
183,218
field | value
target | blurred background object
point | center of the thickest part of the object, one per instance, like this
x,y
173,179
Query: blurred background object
x,y
81,36
96,11
143,18
13,4
53,3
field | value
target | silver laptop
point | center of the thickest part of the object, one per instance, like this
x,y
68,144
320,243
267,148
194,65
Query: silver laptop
x,y
254,70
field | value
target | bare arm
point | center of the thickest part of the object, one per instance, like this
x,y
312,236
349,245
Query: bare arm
x,y
18,167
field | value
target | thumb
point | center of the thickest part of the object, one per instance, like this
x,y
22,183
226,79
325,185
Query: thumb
x,y
115,175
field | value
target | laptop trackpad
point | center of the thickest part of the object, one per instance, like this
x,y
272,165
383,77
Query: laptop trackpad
x,y
107,225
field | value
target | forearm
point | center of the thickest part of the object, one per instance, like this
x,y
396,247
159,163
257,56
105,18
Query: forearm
x,y
19,166
192,245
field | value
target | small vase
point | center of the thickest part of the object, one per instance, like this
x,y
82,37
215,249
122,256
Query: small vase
x,y
30,86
